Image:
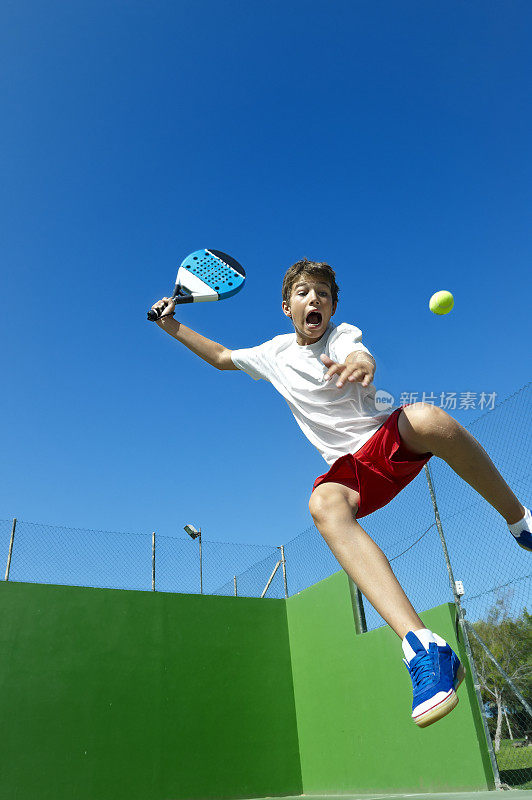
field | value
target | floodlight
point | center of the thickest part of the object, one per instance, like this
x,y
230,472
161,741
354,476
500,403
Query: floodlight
x,y
192,531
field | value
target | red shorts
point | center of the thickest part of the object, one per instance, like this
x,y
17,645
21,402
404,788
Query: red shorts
x,y
379,470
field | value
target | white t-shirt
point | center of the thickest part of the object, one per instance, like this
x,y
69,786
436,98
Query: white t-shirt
x,y
336,421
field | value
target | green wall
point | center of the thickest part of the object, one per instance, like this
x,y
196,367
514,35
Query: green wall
x,y
110,694
353,698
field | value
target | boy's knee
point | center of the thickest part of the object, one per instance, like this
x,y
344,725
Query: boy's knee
x,y
327,498
426,418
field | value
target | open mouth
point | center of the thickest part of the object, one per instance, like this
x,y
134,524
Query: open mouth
x,y
313,319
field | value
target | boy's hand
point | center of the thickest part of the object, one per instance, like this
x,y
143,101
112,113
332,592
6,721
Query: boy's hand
x,y
165,306
359,368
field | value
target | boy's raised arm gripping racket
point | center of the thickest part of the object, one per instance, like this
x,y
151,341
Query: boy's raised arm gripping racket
x,y
205,275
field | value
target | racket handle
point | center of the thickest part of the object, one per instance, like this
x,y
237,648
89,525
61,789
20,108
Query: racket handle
x,y
156,313
153,316
178,299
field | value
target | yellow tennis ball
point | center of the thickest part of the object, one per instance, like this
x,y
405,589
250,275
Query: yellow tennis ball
x,y
441,302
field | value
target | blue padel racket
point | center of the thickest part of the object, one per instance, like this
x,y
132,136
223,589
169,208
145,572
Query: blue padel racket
x,y
205,275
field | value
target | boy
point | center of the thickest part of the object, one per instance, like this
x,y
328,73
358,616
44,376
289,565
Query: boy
x,y
371,456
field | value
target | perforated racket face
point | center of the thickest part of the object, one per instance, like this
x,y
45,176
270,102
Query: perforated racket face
x,y
220,272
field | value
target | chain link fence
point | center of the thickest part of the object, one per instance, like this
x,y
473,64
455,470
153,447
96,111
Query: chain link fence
x,y
495,572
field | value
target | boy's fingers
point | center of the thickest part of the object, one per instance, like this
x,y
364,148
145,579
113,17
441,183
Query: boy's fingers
x,y
165,307
326,360
161,303
347,374
357,374
333,367
362,375
351,372
367,378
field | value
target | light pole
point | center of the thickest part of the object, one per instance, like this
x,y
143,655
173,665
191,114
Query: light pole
x,y
194,534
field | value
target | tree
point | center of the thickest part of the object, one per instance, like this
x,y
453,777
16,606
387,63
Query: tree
x,y
510,642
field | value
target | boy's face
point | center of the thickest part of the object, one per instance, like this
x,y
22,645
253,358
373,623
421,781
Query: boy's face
x,y
310,308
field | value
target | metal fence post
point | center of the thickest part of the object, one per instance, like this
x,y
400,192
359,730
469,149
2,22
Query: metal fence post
x,y
11,547
358,607
200,566
272,576
463,628
153,561
284,571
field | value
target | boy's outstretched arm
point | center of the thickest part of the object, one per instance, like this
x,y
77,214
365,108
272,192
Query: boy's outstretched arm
x,y
212,352
359,366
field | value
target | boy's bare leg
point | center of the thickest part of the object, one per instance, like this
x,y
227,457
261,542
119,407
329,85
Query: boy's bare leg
x,y
333,506
428,429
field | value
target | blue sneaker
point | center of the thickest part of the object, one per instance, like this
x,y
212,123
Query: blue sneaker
x,y
524,540
436,675
522,531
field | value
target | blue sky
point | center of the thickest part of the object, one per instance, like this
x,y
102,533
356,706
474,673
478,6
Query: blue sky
x,y
391,140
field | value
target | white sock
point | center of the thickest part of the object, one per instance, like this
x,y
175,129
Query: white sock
x,y
524,524
425,637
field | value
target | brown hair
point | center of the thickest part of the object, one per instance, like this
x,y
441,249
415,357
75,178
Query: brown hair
x,y
316,269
